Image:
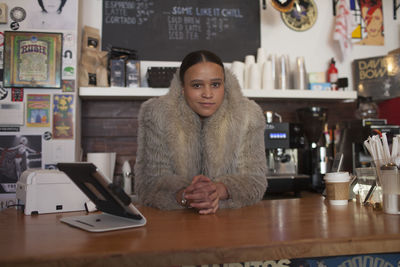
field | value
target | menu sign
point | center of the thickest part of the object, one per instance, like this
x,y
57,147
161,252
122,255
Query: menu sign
x,y
169,29
377,77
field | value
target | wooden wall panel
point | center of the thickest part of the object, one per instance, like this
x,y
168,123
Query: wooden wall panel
x,y
111,125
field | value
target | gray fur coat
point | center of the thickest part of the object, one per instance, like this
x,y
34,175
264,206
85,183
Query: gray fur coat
x,y
174,145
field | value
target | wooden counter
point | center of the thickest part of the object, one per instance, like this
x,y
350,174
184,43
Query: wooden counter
x,y
269,230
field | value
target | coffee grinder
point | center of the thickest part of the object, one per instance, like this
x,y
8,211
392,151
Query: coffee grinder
x,y
282,141
317,158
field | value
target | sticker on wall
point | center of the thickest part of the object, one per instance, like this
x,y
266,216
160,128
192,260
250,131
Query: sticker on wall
x,y
47,135
302,16
63,106
3,13
52,14
18,153
68,71
11,113
69,40
17,14
50,166
370,29
3,92
38,110
17,94
14,26
68,85
9,129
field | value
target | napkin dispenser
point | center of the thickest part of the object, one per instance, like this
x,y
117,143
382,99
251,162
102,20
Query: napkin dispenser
x,y
48,191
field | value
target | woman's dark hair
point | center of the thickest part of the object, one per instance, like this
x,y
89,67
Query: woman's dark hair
x,y
197,57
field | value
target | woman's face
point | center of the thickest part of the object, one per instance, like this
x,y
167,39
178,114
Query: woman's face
x,y
203,88
374,27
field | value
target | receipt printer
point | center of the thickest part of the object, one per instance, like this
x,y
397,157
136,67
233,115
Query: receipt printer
x,y
47,191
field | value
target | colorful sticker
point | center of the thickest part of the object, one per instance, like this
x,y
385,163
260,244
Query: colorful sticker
x,y
38,110
68,85
63,106
17,94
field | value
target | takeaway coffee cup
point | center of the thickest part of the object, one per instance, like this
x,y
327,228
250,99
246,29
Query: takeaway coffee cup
x,y
337,187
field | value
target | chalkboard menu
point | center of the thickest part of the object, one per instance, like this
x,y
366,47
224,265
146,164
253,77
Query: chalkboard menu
x,y
167,30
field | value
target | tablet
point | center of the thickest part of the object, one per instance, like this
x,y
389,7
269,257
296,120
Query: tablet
x,y
118,211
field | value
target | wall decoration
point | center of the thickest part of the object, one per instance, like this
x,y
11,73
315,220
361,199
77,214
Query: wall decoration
x,y
68,86
302,16
63,116
17,94
11,113
370,29
38,110
18,14
18,153
52,14
32,59
377,77
3,13
14,26
3,92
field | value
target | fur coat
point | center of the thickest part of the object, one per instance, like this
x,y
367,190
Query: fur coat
x,y
174,145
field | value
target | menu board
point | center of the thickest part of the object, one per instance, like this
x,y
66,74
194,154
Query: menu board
x,y
167,30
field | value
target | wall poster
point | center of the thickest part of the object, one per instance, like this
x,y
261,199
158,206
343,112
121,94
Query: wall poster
x,y
38,110
368,15
17,154
63,116
32,59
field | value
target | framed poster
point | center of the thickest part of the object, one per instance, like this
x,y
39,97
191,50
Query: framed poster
x,y
32,59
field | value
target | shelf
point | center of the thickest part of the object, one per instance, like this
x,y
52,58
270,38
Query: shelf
x,y
146,92
304,94
120,92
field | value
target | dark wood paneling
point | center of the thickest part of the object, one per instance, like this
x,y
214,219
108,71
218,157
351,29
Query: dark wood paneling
x,y
111,126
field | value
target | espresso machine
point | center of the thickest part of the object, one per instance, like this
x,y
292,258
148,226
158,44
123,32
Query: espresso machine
x,y
317,156
282,143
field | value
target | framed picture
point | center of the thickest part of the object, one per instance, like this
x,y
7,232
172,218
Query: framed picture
x,y
32,59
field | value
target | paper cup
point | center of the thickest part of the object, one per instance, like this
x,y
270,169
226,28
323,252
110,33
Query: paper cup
x,y
105,162
337,187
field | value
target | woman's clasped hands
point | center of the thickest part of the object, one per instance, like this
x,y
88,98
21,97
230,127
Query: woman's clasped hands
x,y
204,195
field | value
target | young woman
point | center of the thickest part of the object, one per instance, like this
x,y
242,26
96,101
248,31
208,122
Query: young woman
x,y
201,146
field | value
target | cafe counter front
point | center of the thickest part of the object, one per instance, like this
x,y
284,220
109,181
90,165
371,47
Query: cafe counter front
x,y
273,231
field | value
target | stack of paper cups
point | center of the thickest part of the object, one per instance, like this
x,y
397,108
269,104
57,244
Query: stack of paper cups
x,y
274,74
254,77
268,81
238,70
300,79
284,79
261,58
248,61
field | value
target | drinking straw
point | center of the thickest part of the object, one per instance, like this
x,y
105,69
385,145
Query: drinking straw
x,y
386,150
395,144
379,149
367,144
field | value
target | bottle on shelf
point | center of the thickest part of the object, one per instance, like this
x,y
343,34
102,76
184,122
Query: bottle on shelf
x,y
333,75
